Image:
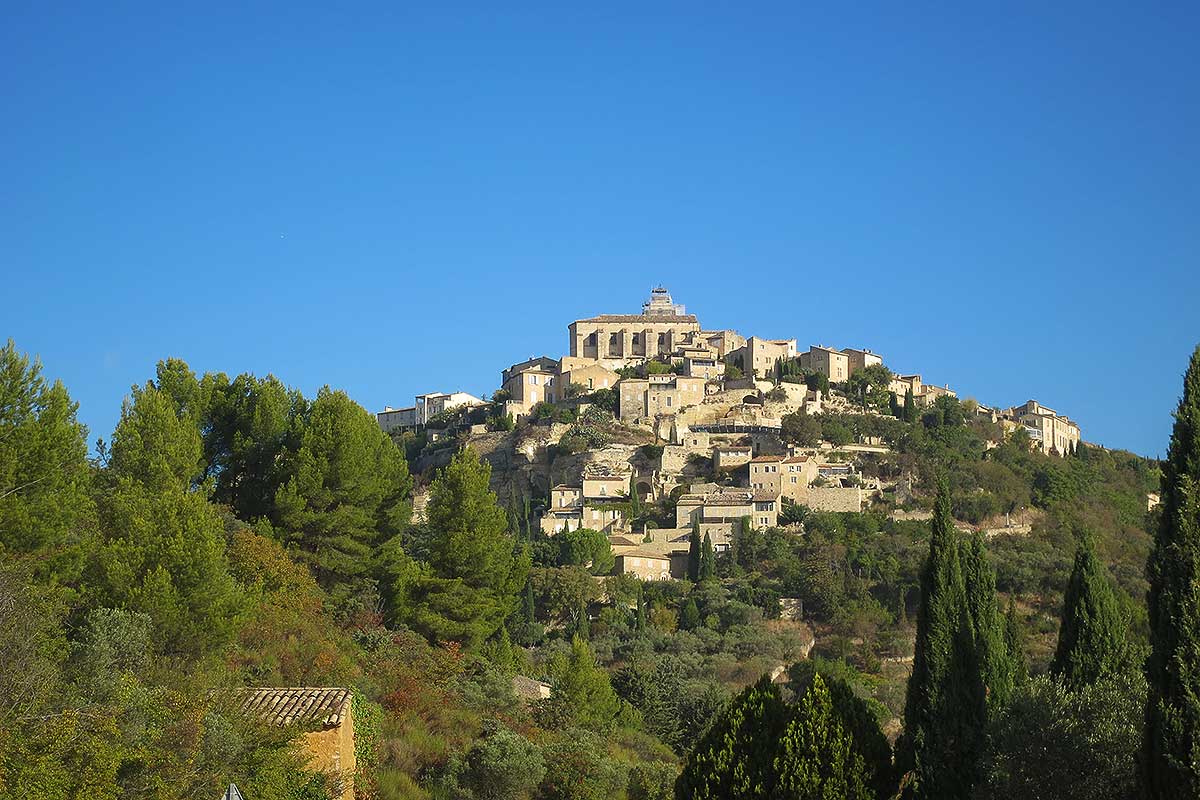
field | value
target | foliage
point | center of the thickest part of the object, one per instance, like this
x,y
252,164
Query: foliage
x,y
1091,639
1053,743
1169,766
801,429
586,548
944,708
582,695
347,492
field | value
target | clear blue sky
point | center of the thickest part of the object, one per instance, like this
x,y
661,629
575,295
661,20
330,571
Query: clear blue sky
x,y
402,200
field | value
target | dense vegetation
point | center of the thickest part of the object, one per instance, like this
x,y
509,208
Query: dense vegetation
x,y
236,533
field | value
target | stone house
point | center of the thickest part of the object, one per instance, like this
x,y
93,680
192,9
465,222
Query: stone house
x,y
529,383
589,378
327,716
833,364
930,393
900,385
645,565
729,456
860,359
765,474
642,398
759,356
391,419
430,405
1050,432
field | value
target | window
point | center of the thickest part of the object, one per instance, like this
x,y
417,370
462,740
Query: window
x,y
603,490
589,383
668,401
533,379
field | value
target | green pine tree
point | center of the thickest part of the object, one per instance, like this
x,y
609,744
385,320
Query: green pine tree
x,y
472,578
582,691
944,705
347,492
735,758
1170,760
816,756
44,471
911,413
1091,640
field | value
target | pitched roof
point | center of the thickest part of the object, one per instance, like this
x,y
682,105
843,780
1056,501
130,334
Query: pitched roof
x,y
282,706
761,459
762,497
644,554
641,318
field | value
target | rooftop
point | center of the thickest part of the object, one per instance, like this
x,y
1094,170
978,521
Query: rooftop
x,y
284,706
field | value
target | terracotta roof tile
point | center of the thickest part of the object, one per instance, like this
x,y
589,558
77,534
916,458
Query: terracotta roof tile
x,y
284,706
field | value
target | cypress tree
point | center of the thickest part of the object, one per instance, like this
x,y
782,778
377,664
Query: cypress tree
x,y
943,712
1170,760
641,609
910,406
693,563
1091,641
987,626
1014,641
708,559
689,615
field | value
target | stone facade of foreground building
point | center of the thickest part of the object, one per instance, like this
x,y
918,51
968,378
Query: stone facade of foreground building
x,y
327,712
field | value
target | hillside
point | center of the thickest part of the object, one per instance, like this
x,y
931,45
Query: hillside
x,y
235,533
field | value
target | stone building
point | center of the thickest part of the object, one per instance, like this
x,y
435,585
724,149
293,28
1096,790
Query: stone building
x,y
617,340
391,419
729,456
645,565
529,383
1050,432
833,364
900,385
759,356
860,359
325,714
930,393
598,503
426,407
588,378
643,398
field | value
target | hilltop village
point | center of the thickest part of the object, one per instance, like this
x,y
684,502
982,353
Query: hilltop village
x,y
711,429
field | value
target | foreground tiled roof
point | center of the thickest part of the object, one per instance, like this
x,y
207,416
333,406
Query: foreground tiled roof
x,y
326,707
761,459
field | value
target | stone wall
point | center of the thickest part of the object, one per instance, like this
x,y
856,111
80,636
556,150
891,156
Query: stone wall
x,y
830,498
